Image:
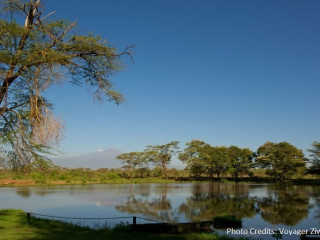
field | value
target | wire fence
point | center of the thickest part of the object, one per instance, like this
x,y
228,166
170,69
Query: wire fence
x,y
96,222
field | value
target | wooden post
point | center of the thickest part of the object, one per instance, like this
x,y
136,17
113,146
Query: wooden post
x,y
134,220
28,218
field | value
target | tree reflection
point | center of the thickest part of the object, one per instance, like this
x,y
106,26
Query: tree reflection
x,y
285,205
26,192
23,192
318,210
209,201
315,196
158,208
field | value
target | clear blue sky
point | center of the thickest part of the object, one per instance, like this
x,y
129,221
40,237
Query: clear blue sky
x,y
236,72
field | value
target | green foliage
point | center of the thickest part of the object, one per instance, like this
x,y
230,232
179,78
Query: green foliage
x,y
161,155
39,177
202,158
35,54
315,160
281,160
112,176
194,156
133,160
157,171
217,161
84,180
240,161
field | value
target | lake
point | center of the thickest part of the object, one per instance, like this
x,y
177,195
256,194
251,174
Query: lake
x,y
260,206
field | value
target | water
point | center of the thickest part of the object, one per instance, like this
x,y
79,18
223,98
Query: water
x,y
262,207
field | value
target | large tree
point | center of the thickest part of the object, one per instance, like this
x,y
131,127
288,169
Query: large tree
x,y
241,161
133,160
281,160
193,156
161,154
315,160
202,158
36,53
217,161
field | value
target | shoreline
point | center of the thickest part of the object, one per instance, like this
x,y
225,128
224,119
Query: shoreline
x,y
30,182
9,182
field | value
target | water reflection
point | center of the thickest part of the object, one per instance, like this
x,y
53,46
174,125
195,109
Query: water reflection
x,y
209,201
24,192
268,204
318,209
158,208
315,199
285,204
27,192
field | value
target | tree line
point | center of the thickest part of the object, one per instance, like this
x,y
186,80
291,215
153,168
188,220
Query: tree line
x,y
279,160
36,53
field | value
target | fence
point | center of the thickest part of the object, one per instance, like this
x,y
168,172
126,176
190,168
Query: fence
x,y
84,220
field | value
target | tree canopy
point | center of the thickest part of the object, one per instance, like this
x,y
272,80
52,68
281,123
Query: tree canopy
x,y
315,160
161,154
282,159
132,160
202,158
241,160
35,54
193,156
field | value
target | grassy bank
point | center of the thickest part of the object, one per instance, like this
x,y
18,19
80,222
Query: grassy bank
x,y
119,176
73,176
14,226
48,182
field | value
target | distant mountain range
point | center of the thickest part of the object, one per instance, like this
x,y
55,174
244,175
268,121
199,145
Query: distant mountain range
x,y
101,159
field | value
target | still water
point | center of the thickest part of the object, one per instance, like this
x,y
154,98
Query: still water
x,y
260,206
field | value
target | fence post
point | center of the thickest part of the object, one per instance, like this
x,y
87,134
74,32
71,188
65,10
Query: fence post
x,y
134,220
28,218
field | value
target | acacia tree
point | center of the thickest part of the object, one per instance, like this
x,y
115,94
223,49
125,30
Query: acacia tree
x,y
315,154
241,160
193,155
132,160
161,154
217,162
281,160
202,158
35,54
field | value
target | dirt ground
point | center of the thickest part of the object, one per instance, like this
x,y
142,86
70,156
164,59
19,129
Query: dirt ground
x,y
4,182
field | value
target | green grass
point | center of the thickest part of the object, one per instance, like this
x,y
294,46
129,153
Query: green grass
x,y
14,226
84,176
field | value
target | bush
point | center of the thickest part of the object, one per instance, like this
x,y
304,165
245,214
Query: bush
x,y
112,176
84,181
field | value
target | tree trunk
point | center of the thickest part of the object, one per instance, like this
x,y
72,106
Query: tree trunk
x,y
131,174
164,166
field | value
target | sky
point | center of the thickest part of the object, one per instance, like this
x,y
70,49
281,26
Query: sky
x,y
236,72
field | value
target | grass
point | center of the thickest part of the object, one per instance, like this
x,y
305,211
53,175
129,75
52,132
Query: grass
x,y
72,177
14,226
119,176
50,182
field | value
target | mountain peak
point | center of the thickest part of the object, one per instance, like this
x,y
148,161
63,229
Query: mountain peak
x,y
100,159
